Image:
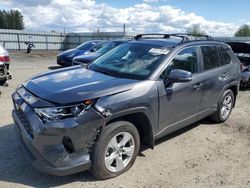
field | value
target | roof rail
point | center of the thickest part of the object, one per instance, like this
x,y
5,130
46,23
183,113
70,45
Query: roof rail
x,y
184,36
154,35
187,35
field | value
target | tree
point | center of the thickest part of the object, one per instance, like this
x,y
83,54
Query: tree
x,y
244,31
3,20
195,30
12,19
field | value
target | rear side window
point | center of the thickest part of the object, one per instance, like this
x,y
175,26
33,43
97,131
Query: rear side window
x,y
211,58
225,57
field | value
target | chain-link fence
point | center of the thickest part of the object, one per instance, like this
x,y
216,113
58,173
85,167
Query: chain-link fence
x,y
18,40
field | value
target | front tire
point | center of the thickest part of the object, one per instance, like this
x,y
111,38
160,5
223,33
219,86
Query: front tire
x,y
225,107
2,82
116,150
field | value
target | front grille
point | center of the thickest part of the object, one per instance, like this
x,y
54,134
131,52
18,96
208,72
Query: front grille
x,y
24,122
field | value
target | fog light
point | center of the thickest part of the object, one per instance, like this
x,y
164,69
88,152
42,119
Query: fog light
x,y
68,145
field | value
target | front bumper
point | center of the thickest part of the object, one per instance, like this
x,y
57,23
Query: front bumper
x,y
43,143
64,61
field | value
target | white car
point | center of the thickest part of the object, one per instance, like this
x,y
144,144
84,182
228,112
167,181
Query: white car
x,y
4,65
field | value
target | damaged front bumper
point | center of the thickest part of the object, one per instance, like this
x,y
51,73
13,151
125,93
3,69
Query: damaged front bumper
x,y
60,147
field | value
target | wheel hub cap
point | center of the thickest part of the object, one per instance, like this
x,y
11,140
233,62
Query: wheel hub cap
x,y
226,107
119,152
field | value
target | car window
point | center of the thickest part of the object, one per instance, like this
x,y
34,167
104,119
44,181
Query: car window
x,y
210,57
99,46
225,57
106,47
86,45
185,60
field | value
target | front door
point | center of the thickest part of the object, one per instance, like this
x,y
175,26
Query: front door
x,y
179,102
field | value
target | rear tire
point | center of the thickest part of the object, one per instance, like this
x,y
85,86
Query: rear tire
x,y
225,107
116,150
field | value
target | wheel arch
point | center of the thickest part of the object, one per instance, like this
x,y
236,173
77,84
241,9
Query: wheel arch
x,y
234,88
142,121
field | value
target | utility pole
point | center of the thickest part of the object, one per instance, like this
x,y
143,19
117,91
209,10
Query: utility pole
x,y
124,30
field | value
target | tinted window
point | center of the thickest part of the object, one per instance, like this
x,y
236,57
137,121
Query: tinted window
x,y
225,57
210,57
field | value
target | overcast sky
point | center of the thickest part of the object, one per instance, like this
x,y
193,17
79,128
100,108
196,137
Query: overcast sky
x,y
216,17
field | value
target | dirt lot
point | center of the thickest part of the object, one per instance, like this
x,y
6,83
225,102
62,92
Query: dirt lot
x,y
201,155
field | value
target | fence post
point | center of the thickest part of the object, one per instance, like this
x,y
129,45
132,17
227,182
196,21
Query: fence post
x,y
18,40
79,39
47,45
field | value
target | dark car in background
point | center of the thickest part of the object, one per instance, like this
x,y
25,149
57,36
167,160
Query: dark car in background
x,y
86,59
65,58
242,50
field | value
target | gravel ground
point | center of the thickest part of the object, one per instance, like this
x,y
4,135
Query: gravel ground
x,y
201,155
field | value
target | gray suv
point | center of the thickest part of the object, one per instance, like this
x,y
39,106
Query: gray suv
x,y
96,118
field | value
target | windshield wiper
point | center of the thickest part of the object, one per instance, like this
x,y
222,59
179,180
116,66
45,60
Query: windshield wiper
x,y
104,72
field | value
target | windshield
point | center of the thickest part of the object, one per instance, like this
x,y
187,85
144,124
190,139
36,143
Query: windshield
x,y
86,45
133,61
107,47
99,46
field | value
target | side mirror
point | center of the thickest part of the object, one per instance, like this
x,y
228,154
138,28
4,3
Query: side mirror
x,y
75,62
177,75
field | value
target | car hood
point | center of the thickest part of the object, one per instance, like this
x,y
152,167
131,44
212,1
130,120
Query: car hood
x,y
75,84
88,57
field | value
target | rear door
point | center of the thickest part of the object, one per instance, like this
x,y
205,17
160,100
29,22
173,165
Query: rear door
x,y
215,75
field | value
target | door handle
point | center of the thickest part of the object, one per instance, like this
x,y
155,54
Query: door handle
x,y
198,85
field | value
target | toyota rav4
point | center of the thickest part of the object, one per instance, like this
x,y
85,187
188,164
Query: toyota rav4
x,y
96,118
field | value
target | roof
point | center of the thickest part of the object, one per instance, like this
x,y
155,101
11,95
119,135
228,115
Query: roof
x,y
119,41
158,42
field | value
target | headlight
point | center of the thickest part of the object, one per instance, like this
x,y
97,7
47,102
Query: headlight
x,y
86,53
56,113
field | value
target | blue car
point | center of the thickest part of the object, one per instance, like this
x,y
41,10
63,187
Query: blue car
x,y
65,58
87,58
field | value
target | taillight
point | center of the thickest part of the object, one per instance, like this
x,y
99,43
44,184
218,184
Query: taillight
x,y
4,59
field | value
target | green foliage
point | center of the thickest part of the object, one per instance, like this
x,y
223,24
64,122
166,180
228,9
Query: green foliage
x,y
244,31
12,19
195,30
